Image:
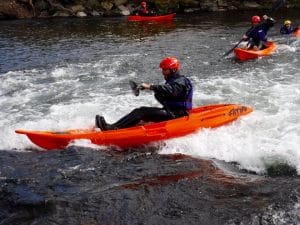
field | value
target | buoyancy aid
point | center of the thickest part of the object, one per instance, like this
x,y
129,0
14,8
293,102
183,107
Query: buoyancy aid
x,y
176,93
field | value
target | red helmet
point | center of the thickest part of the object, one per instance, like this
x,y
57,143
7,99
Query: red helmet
x,y
169,63
255,19
143,4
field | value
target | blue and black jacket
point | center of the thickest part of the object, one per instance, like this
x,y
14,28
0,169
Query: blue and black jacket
x,y
257,35
176,95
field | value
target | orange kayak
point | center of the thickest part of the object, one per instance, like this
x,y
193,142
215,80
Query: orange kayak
x,y
244,54
151,18
209,116
297,33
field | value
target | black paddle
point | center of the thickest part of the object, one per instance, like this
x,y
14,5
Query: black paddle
x,y
276,5
227,53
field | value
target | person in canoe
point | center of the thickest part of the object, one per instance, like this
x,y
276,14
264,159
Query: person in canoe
x,y
287,28
175,96
143,10
257,34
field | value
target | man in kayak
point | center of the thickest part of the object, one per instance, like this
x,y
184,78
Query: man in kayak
x,y
142,10
257,34
175,96
287,28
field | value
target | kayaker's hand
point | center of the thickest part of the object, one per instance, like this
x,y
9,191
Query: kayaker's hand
x,y
145,86
265,17
245,37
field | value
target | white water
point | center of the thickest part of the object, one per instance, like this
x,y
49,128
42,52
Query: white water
x,y
271,134
69,96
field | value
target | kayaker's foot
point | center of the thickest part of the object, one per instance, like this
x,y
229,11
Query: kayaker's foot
x,y
101,123
98,122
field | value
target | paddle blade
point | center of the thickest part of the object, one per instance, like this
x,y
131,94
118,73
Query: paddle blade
x,y
134,87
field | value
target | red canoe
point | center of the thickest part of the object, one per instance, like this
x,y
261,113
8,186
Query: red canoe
x,y
152,18
244,54
209,116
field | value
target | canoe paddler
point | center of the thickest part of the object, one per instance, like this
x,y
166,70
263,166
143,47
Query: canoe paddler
x,y
141,10
257,34
175,96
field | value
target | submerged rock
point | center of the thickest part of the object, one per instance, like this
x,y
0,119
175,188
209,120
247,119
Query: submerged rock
x,y
86,186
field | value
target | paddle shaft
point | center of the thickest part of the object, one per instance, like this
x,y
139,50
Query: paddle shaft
x,y
227,53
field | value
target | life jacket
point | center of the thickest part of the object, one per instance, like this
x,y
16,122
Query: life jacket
x,y
186,101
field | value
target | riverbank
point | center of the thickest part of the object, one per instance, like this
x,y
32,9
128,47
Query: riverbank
x,y
21,9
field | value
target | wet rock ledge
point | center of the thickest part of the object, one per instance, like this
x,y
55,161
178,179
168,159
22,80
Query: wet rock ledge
x,y
20,9
85,186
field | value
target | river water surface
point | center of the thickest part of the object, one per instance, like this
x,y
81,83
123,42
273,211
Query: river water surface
x,y
58,74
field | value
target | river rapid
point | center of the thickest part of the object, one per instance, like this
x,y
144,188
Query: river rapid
x,y
58,74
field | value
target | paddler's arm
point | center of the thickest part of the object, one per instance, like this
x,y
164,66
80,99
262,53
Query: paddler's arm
x,y
165,89
160,91
146,86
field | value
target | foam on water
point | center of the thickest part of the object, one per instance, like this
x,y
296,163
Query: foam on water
x,y
62,98
271,134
